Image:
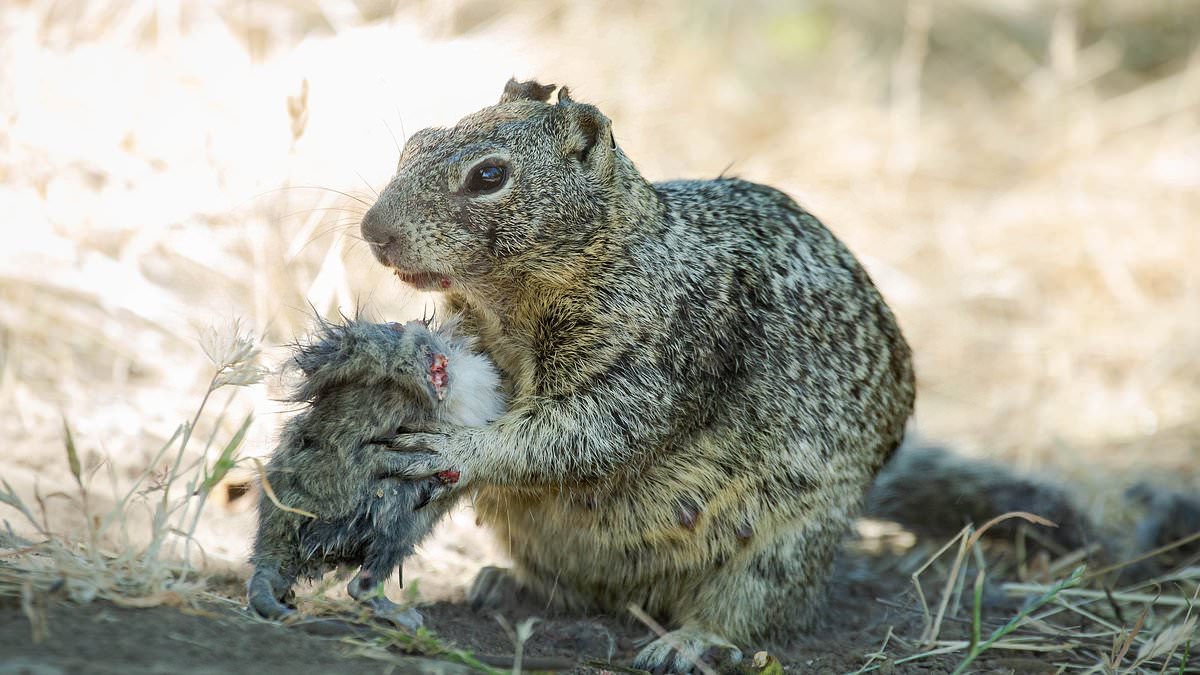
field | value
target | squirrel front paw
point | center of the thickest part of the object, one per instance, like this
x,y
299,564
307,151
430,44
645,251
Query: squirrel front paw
x,y
424,454
413,456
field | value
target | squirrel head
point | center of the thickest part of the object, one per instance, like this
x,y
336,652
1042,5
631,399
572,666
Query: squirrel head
x,y
498,190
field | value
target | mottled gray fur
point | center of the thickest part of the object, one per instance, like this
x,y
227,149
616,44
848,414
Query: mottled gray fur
x,y
363,383
703,379
1170,517
934,492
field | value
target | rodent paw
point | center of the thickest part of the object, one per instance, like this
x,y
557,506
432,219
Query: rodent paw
x,y
500,588
386,610
679,651
493,588
416,464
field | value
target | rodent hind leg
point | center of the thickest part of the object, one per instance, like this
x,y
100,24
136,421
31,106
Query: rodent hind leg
x,y
367,588
503,588
268,592
771,591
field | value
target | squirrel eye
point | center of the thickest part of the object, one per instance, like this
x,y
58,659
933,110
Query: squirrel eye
x,y
487,177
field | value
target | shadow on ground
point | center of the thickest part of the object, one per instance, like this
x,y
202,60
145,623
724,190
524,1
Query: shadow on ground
x,y
869,598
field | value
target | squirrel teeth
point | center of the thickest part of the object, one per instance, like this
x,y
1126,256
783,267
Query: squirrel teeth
x,y
424,279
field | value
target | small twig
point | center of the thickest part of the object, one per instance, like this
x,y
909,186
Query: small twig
x,y
1119,656
270,492
1146,556
1170,600
878,654
916,581
663,635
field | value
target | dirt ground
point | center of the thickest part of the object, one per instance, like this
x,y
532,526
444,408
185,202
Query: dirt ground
x,y
871,602
870,597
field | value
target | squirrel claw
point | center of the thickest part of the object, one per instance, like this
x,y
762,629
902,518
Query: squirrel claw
x,y
368,590
414,463
683,650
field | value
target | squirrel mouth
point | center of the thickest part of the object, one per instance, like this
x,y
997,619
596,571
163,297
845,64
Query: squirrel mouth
x,y
425,280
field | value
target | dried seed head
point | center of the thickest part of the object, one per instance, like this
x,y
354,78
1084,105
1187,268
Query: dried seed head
x,y
234,352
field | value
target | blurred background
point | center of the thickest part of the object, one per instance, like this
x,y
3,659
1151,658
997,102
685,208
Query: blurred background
x,y
1020,177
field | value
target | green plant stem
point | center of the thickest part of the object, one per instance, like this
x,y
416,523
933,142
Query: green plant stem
x,y
1012,624
163,510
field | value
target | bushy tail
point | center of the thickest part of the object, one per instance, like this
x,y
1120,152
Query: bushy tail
x,y
934,492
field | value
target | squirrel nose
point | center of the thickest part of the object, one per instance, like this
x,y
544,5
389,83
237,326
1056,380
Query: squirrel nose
x,y
375,232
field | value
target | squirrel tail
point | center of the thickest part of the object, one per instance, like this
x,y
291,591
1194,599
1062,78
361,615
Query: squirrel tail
x,y
934,492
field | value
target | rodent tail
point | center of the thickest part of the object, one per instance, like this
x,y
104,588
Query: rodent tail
x,y
934,492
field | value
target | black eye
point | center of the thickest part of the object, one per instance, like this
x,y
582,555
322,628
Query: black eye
x,y
486,177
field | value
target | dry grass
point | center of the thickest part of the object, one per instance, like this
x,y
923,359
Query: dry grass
x,y
136,551
1020,178
1073,621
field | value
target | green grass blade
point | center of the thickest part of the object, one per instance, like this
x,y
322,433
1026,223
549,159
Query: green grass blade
x,y
1073,580
226,460
72,453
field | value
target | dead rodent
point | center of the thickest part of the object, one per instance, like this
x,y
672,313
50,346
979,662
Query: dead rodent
x,y
363,382
703,380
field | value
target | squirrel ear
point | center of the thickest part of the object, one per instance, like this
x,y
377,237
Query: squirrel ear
x,y
589,132
530,90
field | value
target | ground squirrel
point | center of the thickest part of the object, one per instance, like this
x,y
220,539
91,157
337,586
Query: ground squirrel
x,y
362,383
703,380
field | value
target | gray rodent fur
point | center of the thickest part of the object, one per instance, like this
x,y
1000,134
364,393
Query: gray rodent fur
x,y
363,382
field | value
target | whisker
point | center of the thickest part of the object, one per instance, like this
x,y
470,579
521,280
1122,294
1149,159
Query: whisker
x,y
364,180
316,187
399,150
304,212
400,118
344,224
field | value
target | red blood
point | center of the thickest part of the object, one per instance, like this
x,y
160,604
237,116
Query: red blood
x,y
448,477
437,375
445,282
